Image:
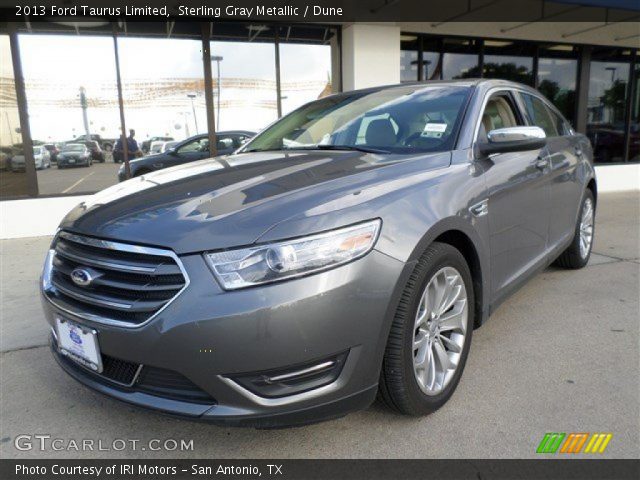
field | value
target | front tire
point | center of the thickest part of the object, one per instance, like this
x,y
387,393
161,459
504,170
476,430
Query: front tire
x,y
578,253
431,334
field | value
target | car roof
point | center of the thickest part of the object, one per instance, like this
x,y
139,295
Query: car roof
x,y
462,82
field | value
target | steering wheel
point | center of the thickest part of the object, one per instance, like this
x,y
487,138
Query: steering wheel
x,y
412,138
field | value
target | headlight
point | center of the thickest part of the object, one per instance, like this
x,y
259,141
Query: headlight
x,y
292,258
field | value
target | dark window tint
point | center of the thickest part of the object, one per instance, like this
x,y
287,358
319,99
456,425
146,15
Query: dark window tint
x,y
540,115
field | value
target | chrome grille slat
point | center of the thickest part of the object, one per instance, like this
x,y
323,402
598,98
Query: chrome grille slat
x,y
131,284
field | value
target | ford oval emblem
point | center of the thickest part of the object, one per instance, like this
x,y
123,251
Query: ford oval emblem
x,y
81,277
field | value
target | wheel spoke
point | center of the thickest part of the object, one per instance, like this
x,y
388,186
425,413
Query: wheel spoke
x,y
430,373
452,296
454,320
450,344
419,341
441,354
423,311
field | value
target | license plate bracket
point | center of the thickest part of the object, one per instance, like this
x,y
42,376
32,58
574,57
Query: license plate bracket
x,y
79,343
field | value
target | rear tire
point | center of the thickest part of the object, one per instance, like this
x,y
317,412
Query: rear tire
x,y
578,253
416,379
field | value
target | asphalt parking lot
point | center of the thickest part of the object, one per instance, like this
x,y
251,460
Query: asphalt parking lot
x,y
561,355
97,177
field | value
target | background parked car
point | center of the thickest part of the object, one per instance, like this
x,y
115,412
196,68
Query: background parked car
x,y
145,146
157,147
74,155
97,155
53,151
106,144
169,145
189,150
40,155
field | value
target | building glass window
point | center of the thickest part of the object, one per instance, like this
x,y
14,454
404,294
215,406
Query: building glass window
x,y
557,75
608,90
508,60
634,129
409,58
460,58
13,178
244,81
70,83
431,59
162,89
305,68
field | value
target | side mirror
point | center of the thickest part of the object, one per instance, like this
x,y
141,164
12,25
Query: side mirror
x,y
172,151
513,139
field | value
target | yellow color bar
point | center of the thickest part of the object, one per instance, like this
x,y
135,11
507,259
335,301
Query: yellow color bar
x,y
607,438
598,443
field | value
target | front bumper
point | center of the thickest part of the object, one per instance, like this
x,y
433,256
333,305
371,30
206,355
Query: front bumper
x,y
78,162
211,336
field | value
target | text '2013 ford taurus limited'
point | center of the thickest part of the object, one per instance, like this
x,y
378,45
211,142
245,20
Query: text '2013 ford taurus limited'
x,y
349,249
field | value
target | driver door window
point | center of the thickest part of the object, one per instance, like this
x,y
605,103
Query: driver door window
x,y
498,113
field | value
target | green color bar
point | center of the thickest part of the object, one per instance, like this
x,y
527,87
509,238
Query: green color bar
x,y
550,443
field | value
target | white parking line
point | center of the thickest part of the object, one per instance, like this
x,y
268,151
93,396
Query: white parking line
x,y
67,190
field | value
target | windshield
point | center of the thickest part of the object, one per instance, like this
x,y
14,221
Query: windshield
x,y
73,148
406,119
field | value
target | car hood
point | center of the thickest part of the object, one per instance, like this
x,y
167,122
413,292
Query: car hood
x,y
232,200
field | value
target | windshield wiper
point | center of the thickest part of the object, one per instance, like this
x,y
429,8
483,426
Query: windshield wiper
x,y
359,148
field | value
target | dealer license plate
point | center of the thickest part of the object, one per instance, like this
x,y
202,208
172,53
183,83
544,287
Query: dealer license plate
x,y
79,344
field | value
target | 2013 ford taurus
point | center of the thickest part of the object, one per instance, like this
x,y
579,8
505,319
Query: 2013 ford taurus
x,y
348,250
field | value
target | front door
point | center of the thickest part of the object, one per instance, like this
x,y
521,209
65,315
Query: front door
x,y
517,199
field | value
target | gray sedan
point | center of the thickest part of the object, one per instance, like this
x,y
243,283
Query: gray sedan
x,y
347,251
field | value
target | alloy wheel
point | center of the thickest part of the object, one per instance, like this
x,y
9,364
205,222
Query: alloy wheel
x,y
586,228
440,329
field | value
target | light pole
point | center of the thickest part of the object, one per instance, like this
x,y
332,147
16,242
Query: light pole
x,y
217,59
193,109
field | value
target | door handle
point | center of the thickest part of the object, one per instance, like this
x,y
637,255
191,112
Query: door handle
x,y
542,163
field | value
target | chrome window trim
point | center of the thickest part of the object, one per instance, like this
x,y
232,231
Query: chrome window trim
x,y
117,246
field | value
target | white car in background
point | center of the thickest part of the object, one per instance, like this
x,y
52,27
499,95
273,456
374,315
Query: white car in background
x,y
156,147
168,145
41,156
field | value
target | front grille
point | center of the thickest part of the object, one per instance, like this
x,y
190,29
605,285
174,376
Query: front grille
x,y
129,284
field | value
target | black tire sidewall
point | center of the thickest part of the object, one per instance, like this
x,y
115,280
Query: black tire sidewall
x,y
448,257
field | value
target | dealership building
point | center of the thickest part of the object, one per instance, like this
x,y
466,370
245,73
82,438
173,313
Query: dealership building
x,y
61,80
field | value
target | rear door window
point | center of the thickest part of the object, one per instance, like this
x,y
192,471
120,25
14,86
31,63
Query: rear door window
x,y
540,116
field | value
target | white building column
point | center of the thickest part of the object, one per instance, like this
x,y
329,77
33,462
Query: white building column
x,y
370,55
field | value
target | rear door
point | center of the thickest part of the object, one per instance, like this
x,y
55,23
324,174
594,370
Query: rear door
x,y
564,154
517,201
